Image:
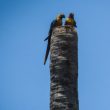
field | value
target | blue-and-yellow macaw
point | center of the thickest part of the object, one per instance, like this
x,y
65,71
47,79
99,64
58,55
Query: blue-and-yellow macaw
x,y
70,21
54,23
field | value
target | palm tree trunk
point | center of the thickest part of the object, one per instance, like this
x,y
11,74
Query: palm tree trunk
x,y
64,69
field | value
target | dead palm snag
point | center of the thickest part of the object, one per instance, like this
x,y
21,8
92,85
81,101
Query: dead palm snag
x,y
64,69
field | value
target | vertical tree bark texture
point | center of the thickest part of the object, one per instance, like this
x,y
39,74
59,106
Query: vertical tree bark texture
x,y
64,69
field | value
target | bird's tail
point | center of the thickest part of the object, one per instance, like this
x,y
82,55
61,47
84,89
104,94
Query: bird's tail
x,y
46,55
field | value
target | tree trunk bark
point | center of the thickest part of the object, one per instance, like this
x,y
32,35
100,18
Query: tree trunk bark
x,y
64,69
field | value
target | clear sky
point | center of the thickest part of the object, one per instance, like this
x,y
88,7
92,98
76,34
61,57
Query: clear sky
x,y
24,80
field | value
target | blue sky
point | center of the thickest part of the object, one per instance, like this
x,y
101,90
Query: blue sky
x,y
24,80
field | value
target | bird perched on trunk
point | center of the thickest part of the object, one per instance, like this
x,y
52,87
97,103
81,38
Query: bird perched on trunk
x,y
70,21
54,23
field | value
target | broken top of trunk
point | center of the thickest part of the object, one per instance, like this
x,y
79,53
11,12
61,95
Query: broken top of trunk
x,y
64,30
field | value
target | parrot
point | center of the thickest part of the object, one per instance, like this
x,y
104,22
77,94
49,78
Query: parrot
x,y
56,22
70,21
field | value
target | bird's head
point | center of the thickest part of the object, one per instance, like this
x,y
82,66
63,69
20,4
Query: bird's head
x,y
61,16
71,15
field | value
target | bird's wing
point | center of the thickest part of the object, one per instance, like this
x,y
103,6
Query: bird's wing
x,y
75,24
52,25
